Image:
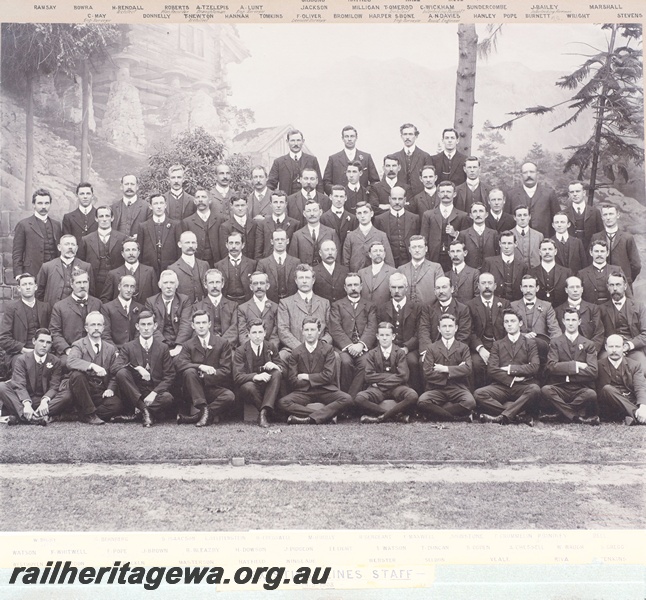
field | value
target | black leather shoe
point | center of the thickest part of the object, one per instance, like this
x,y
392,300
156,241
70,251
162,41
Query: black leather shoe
x,y
294,420
204,419
369,419
91,419
551,418
525,419
42,421
594,421
188,420
124,418
262,418
147,418
13,420
484,418
629,421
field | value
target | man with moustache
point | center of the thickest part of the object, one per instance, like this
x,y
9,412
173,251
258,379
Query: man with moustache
x,y
550,276
237,269
277,220
569,249
399,225
296,202
261,308
306,241
427,199
189,269
239,220
507,268
179,204
464,279
420,272
497,219
223,313
222,191
329,282
358,242
143,274
595,277
449,164
121,314
259,201
82,221
380,192
131,211
375,277
205,225
280,268
472,190
586,220
479,241
338,218
285,172
158,236
412,158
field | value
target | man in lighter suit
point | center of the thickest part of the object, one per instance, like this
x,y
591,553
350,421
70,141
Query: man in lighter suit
x,y
528,240
358,242
420,272
376,276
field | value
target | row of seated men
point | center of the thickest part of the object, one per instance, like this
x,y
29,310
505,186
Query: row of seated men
x,y
497,352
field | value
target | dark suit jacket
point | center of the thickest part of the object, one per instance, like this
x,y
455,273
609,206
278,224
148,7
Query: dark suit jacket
x,y
411,177
249,311
243,361
343,320
562,358
205,230
479,316
28,243
542,207
522,357
330,287
457,359
410,321
219,355
172,230
142,213
571,254
247,267
228,318
270,266
67,322
589,281
180,209
89,252
342,225
23,377
505,223
380,192
411,225
631,374
291,314
494,265
430,320
144,276
248,236
320,365
456,174
296,206
180,315
543,318
82,355
354,197
303,247
77,224
591,326
119,326
422,202
623,253
636,312
592,223
162,365
264,231
191,283
285,173
477,253
387,374
556,296
14,326
255,208
465,283
432,229
51,280
338,163
464,197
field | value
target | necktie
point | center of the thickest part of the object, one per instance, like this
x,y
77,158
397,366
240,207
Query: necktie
x,y
522,233
314,235
96,348
455,270
398,307
562,240
168,303
280,261
308,303
488,305
205,343
278,222
127,308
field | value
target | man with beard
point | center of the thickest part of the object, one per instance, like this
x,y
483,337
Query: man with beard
x,y
222,191
121,314
421,273
285,172
306,241
179,204
131,211
399,225
259,201
329,282
449,164
427,199
81,222
380,192
143,274
296,202
205,225
358,242
336,168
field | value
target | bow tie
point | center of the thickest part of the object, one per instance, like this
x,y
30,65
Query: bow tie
x,y
80,302
529,304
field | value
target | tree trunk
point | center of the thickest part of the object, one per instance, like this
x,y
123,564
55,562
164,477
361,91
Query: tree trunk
x,y
85,122
599,125
465,86
29,142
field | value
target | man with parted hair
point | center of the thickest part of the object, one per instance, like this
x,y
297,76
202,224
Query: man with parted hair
x,y
355,191
427,199
375,277
239,220
179,203
594,277
480,242
93,364
464,278
222,312
420,272
145,279
412,158
570,252
473,189
286,170
189,269
35,238
131,210
586,220
236,269
278,219
329,274
81,221
337,217
550,276
121,313
158,236
449,164
305,243
259,200
280,267
261,308
380,191
205,224
507,268
497,219
221,192
528,240
297,202
358,242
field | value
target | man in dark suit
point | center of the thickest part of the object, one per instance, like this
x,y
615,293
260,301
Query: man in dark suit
x,y
513,366
572,372
507,268
311,376
54,279
335,170
67,322
497,219
35,238
337,218
22,318
487,325
260,307
307,240
222,312
81,222
280,268
179,204
380,191
623,251
472,190
131,211
222,192
286,170
93,364
590,325
354,190
449,164
353,327
190,270
102,248
258,371
625,317
240,221
569,249
621,384
358,242
420,273
464,279
143,274
538,197
329,282
550,276
32,395
145,380
297,202
206,364
399,225
586,220
277,220
447,368
205,225
121,314
441,225
595,277
412,158
387,374
237,269
479,241
427,199
259,201
172,312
